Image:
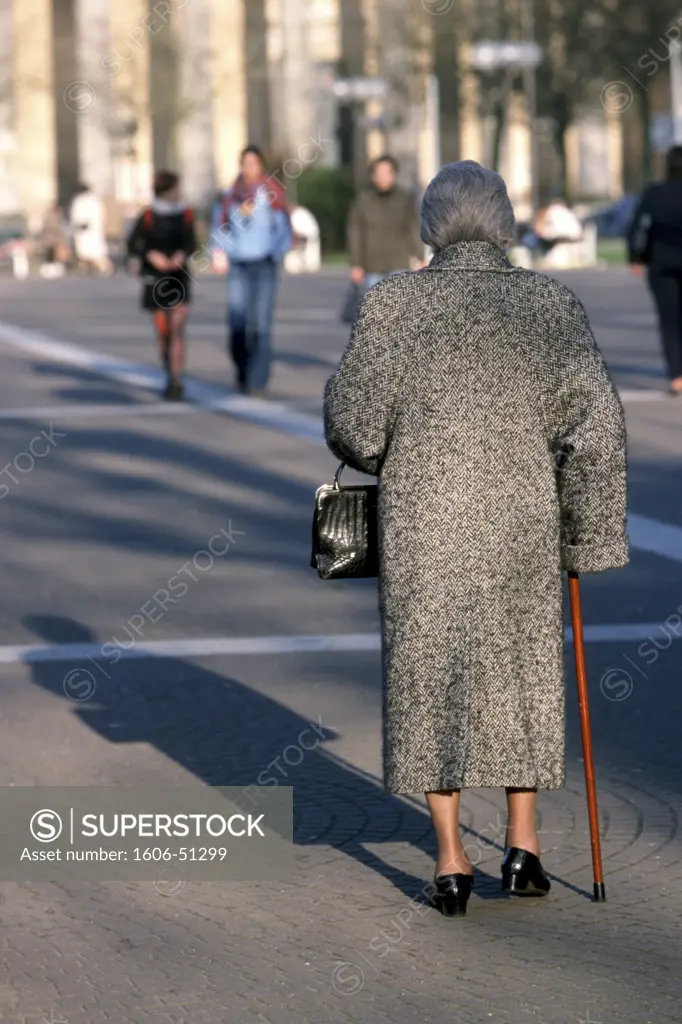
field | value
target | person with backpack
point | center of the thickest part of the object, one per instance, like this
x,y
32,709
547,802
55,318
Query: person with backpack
x,y
163,238
251,226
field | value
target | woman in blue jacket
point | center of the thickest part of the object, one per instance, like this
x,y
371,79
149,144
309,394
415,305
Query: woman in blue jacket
x,y
251,225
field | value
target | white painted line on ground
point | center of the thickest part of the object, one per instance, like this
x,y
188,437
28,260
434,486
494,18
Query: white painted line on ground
x,y
656,537
631,632
263,645
645,534
85,410
641,395
263,413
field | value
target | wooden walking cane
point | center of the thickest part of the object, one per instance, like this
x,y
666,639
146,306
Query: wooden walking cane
x,y
583,702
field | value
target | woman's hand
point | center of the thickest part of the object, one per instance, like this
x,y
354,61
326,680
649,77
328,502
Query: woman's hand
x,y
159,261
636,269
178,259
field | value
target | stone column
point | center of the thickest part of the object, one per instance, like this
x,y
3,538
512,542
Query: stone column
x,y
298,76
325,50
92,95
34,110
9,195
67,107
127,68
614,146
194,130
373,109
471,135
229,88
255,43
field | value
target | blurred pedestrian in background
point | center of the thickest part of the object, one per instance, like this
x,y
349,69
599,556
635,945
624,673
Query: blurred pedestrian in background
x,y
655,241
251,226
475,391
163,238
383,227
87,218
553,223
54,239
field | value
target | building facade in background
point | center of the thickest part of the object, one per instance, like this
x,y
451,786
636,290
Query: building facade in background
x,y
105,91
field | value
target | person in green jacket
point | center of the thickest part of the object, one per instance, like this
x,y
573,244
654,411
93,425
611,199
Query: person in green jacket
x,y
383,228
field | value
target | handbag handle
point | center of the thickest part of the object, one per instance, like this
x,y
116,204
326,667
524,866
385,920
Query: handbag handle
x,y
337,475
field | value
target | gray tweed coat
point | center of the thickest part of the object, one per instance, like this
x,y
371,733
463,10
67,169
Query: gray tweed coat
x,y
476,392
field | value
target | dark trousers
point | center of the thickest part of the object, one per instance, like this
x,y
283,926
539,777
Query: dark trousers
x,y
251,289
666,288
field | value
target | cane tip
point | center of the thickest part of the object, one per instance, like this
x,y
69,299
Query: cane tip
x,y
599,892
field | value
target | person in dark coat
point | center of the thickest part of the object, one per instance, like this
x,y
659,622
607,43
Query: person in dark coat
x,y
163,239
475,391
383,228
657,222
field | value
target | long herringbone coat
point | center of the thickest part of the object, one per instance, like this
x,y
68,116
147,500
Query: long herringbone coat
x,y
464,387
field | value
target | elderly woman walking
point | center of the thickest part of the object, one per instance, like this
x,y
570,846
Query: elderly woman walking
x,y
475,391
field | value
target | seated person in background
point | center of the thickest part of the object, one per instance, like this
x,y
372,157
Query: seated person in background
x,y
552,224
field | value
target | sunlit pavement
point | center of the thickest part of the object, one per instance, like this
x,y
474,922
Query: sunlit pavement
x,y
106,495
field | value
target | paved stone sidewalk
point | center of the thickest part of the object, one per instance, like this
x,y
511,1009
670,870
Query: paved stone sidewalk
x,y
91,535
350,939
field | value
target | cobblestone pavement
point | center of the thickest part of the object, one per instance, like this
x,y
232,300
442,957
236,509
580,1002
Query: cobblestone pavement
x,y
125,498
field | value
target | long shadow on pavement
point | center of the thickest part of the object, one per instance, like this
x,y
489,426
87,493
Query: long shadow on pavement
x,y
229,735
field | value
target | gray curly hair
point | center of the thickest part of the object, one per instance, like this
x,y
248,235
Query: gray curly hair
x,y
466,202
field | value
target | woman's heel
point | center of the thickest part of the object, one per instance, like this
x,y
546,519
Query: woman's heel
x,y
523,874
452,894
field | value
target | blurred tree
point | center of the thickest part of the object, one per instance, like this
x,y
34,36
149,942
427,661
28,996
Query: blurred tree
x,y
575,36
639,38
498,20
328,193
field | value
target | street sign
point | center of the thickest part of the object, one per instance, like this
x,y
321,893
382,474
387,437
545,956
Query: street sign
x,y
349,89
486,56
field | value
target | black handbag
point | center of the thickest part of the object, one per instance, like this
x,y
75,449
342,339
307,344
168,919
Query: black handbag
x,y
345,531
352,302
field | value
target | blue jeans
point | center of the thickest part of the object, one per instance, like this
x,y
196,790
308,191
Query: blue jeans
x,y
251,289
372,279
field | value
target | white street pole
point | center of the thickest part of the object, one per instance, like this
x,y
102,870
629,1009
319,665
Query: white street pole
x,y
433,125
676,91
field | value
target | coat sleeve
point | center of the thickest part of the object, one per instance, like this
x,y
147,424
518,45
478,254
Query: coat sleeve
x,y
137,239
282,235
360,399
641,208
189,237
591,454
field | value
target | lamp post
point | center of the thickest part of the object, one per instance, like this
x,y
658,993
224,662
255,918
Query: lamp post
x,y
356,92
525,56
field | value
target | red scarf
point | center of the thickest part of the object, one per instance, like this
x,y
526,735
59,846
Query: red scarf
x,y
242,193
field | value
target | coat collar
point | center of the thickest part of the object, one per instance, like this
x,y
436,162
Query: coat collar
x,y
470,256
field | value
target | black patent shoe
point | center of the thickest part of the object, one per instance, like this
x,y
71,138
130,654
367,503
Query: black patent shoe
x,y
523,874
451,894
